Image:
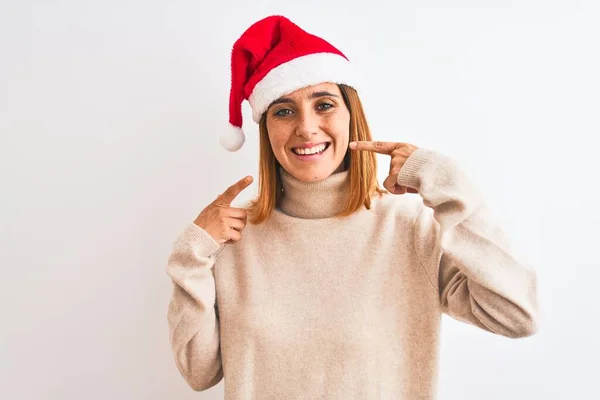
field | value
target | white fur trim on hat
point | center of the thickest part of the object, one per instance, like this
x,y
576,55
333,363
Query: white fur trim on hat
x,y
298,73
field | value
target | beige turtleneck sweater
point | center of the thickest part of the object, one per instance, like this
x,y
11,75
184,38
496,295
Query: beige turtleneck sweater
x,y
307,306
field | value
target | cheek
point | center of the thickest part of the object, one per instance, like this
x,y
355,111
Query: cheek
x,y
277,136
340,128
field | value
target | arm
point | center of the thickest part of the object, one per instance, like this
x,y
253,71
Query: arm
x,y
192,314
469,259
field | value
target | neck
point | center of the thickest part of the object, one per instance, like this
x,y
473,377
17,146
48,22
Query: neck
x,y
314,200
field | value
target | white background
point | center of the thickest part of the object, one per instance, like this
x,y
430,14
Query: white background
x,y
109,118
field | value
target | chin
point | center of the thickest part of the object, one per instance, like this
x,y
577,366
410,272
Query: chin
x,y
312,174
307,171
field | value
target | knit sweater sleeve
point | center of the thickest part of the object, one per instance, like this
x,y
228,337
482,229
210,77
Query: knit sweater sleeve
x,y
192,312
470,260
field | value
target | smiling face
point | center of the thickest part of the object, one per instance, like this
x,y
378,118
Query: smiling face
x,y
309,131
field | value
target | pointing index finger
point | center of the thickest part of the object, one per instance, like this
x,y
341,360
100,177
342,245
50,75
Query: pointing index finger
x,y
377,147
232,191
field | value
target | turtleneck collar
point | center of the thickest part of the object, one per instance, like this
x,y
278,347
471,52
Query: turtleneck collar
x,y
314,200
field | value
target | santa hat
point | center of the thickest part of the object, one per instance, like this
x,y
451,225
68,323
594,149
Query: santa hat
x,y
272,58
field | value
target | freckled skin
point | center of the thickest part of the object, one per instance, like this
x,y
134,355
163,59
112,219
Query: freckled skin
x,y
303,119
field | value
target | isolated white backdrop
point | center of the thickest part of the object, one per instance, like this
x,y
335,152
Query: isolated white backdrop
x,y
109,117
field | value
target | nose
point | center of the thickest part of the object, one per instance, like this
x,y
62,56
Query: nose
x,y
308,125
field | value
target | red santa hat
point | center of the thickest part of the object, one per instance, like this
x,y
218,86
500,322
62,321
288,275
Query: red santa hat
x,y
272,58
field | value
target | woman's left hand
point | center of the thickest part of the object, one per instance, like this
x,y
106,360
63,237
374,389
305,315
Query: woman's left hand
x,y
399,153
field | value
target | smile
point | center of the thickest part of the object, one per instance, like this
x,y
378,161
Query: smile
x,y
313,150
311,153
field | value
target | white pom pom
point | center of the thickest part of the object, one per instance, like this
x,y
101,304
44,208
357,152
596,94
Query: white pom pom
x,y
232,138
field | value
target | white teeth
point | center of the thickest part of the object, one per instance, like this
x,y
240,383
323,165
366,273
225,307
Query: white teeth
x,y
313,150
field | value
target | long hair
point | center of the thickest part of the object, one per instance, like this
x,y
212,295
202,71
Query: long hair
x,y
362,166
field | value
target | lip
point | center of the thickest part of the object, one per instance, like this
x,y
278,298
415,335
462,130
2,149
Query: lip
x,y
308,145
312,157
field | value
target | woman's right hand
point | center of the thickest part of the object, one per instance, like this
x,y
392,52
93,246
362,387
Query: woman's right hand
x,y
221,221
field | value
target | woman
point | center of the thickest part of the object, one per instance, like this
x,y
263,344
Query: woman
x,y
327,286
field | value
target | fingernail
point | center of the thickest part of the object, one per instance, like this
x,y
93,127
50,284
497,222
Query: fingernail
x,y
352,145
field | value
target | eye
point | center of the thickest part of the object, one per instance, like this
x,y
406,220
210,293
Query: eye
x,y
283,112
324,106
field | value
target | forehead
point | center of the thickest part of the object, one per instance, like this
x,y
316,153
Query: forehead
x,y
307,91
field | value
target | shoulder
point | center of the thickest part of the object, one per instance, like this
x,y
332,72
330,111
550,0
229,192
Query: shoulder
x,y
407,208
412,216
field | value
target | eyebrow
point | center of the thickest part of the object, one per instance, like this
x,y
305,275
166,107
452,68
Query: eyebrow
x,y
313,95
321,94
